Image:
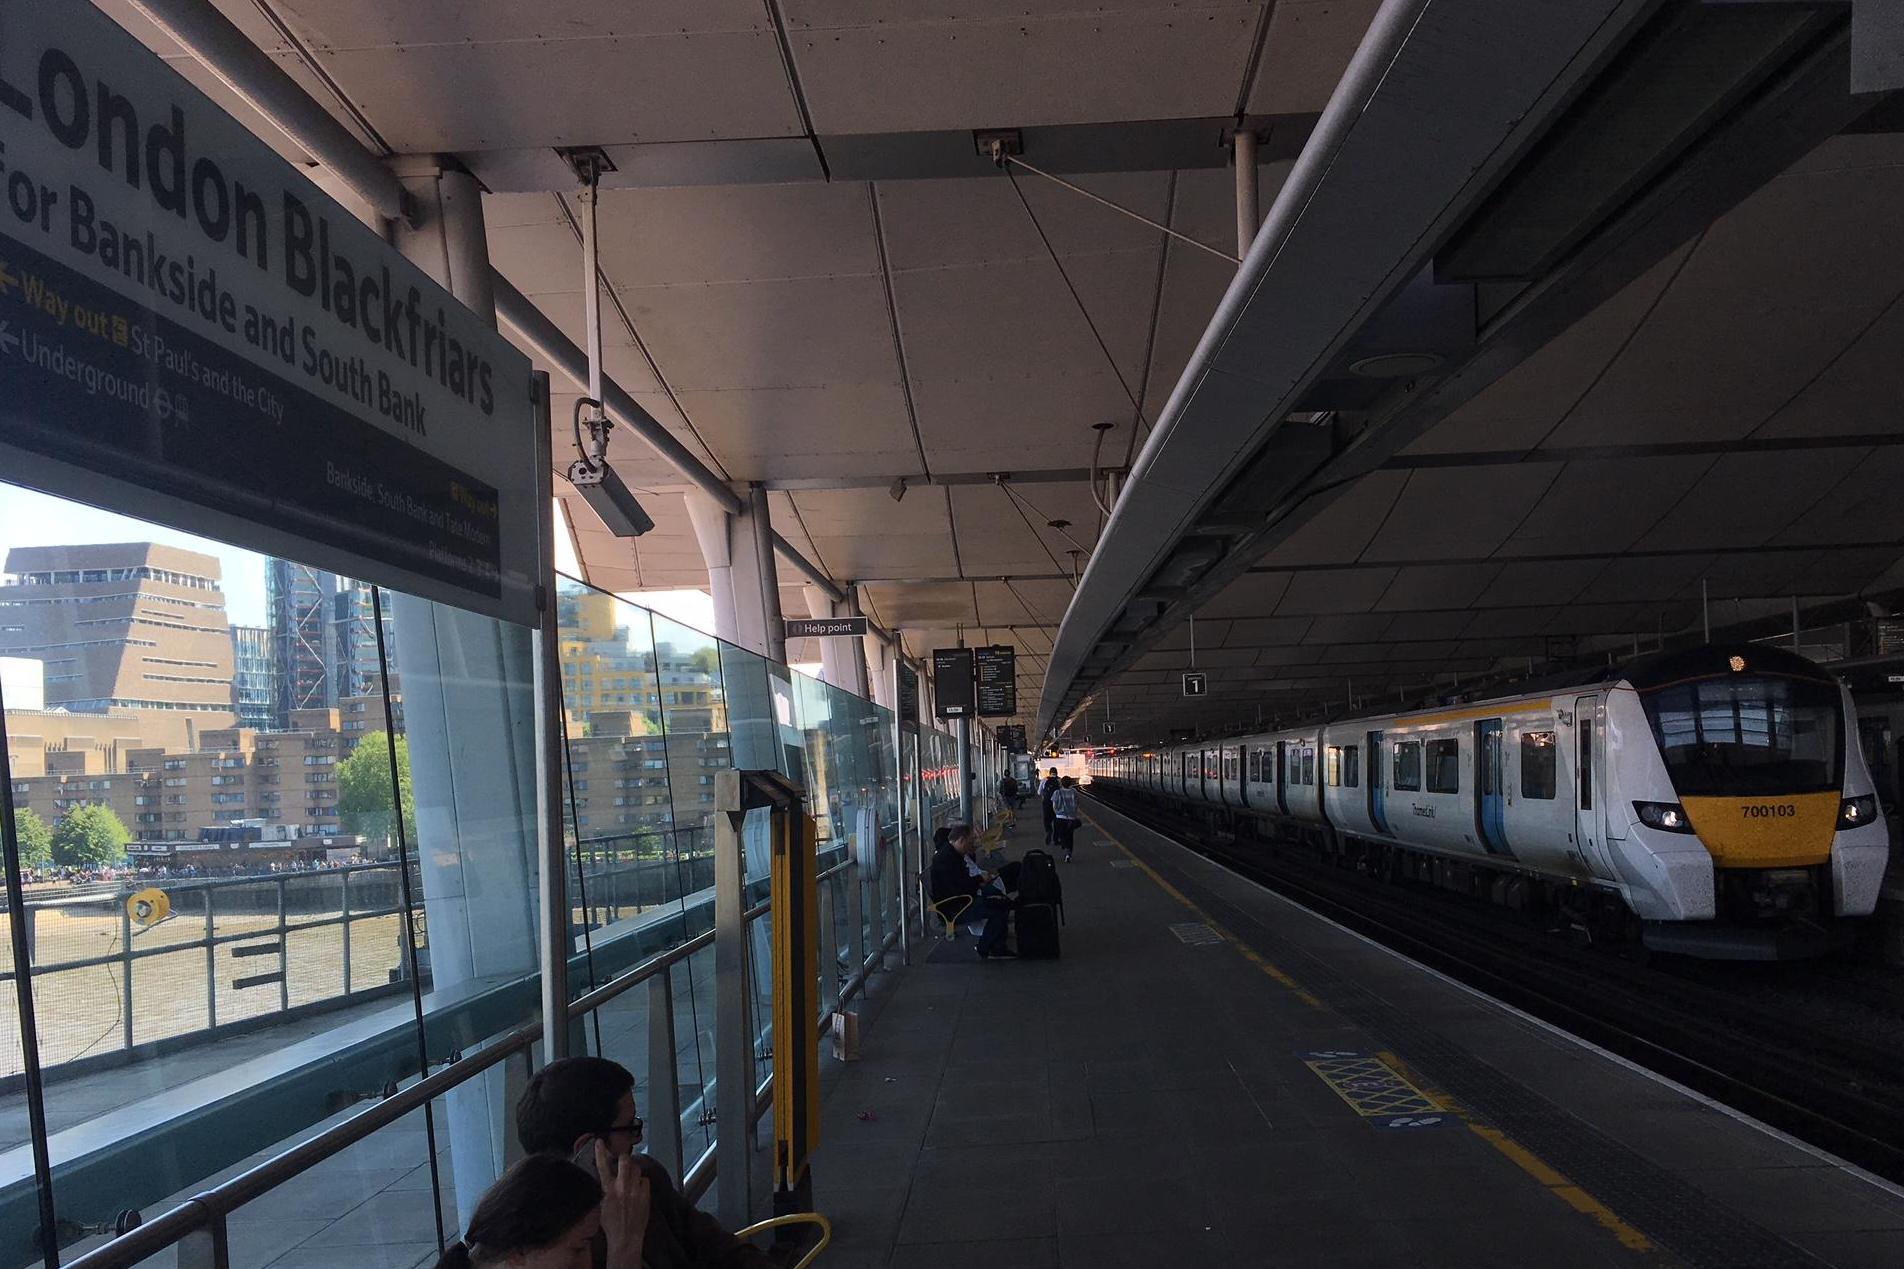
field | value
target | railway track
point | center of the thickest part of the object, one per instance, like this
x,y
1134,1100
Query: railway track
x,y
1815,1050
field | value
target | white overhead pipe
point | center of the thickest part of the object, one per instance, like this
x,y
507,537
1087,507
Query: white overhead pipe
x,y
224,50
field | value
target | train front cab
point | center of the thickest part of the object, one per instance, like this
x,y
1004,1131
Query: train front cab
x,y
1753,757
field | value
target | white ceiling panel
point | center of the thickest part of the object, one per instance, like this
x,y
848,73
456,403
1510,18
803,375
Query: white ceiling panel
x,y
863,533
999,419
1546,582
1647,578
529,93
1309,46
1338,533
995,539
737,233
1019,316
1436,586
1769,296
1334,590
361,23
1864,507
1518,410
1748,499
799,332
1853,393
954,223
1358,628
1250,595
1421,626
844,429
1604,505
1449,512
1036,64
1257,632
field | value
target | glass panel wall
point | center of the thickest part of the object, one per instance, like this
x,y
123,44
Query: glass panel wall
x,y
313,880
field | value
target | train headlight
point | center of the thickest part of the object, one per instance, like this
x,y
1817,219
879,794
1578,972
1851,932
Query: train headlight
x,y
1667,817
1857,812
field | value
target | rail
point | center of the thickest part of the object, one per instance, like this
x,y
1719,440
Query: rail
x,y
278,913
198,1227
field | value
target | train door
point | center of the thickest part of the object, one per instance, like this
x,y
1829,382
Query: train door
x,y
1282,776
1588,828
1490,786
1377,772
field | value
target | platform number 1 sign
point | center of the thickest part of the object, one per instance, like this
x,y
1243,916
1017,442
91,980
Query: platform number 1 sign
x,y
1195,684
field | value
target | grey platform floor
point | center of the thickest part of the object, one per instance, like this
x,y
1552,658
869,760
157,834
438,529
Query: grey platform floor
x,y
1151,1101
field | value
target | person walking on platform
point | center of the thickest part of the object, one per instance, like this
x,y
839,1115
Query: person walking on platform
x,y
1045,792
1064,815
584,1108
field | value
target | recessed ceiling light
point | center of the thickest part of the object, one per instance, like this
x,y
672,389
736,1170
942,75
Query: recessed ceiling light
x,y
1394,365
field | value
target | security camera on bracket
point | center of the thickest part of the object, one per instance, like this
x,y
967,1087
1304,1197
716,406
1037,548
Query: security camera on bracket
x,y
597,482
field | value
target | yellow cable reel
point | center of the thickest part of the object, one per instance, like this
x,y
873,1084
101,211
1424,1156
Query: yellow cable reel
x,y
148,907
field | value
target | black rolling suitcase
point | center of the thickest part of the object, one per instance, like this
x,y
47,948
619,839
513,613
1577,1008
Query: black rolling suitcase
x,y
1037,880
1038,932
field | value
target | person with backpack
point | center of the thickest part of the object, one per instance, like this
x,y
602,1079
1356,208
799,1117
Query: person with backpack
x,y
1045,792
1064,815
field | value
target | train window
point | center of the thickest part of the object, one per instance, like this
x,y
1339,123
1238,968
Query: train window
x,y
1351,765
1586,764
1332,767
1189,766
1540,759
1255,766
1269,766
1408,765
1308,764
1444,766
1746,735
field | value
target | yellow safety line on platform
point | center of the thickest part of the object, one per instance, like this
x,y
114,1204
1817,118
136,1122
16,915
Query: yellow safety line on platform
x,y
1250,954
1555,1182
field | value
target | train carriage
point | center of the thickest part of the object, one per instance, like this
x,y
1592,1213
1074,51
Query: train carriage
x,y
1711,801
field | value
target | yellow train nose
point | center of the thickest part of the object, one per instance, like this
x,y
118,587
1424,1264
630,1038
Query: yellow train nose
x,y
1789,831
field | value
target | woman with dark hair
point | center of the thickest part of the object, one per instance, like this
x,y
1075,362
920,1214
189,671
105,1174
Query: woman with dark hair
x,y
546,1213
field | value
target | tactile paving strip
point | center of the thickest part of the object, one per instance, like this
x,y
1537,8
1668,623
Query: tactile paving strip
x,y
1196,934
1675,1214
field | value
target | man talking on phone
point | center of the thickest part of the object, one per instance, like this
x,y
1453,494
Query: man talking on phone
x,y
583,1108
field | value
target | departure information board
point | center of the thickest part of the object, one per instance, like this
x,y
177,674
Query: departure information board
x,y
952,682
996,670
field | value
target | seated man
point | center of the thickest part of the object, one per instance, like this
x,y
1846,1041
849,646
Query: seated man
x,y
955,872
573,1105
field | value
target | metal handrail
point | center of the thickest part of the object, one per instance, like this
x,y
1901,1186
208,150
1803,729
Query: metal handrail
x,y
208,1209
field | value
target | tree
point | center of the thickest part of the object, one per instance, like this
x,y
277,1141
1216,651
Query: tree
x,y
363,788
706,660
36,839
90,837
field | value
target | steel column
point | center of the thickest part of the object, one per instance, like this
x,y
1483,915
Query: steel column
x,y
965,769
663,1110
761,520
733,1016
1248,219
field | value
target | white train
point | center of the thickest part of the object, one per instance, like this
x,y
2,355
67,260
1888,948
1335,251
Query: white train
x,y
1711,801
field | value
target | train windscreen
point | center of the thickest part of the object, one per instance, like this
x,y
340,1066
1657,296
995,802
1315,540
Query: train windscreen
x,y
1748,735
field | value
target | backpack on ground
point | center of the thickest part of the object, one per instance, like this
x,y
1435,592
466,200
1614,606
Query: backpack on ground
x,y
1037,932
1038,880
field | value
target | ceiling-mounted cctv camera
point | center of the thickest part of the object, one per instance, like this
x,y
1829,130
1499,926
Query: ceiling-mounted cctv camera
x,y
597,482
897,491
611,498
